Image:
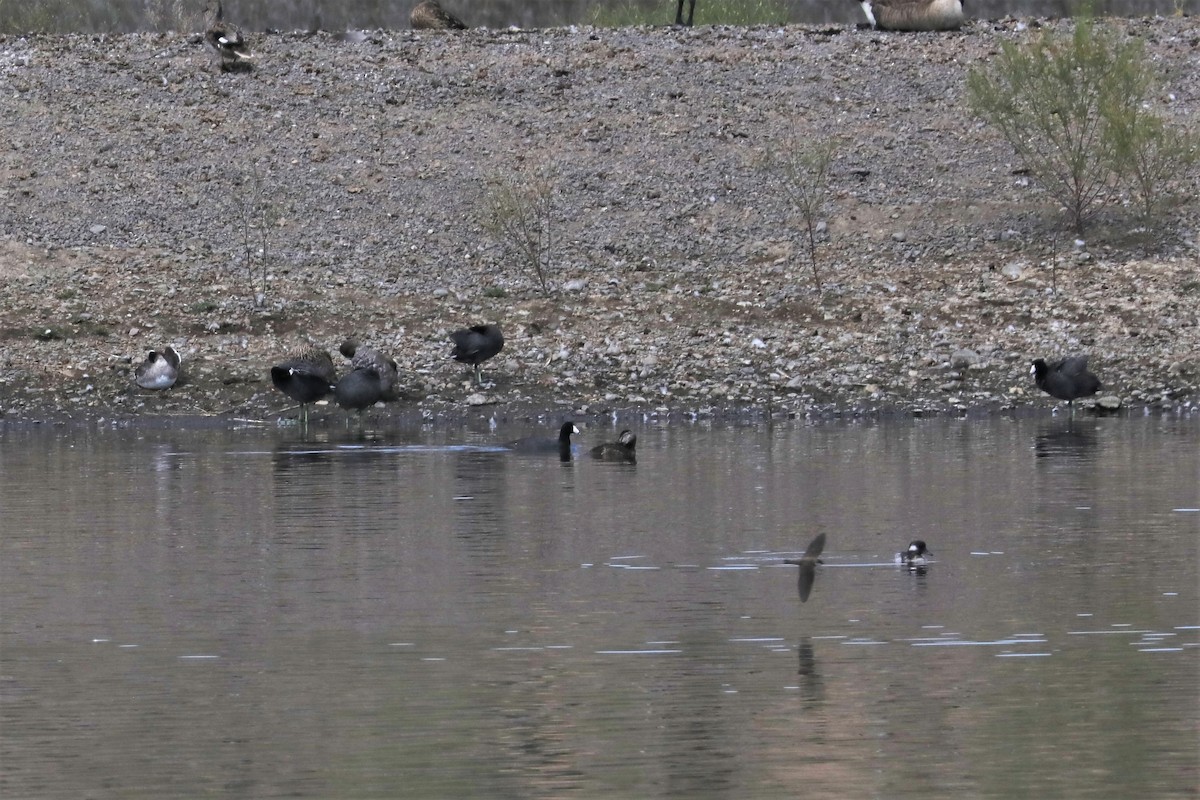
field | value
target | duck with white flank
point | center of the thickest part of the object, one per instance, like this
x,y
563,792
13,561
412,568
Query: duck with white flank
x,y
914,556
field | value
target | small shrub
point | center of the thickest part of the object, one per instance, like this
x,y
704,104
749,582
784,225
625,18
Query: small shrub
x,y
257,216
802,171
1149,153
1072,108
521,215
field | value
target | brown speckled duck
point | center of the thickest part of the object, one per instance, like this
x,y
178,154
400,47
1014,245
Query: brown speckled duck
x,y
914,15
430,16
305,377
224,39
367,358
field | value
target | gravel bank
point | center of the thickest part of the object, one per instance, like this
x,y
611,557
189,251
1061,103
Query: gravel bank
x,y
132,170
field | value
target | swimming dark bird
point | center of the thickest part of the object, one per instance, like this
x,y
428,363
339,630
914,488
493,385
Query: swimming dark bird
x,y
370,358
225,39
305,377
1067,379
546,444
623,449
160,370
429,15
476,345
359,389
808,565
913,15
679,12
914,556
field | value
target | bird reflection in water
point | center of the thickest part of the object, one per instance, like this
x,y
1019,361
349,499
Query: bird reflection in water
x,y
1069,440
812,687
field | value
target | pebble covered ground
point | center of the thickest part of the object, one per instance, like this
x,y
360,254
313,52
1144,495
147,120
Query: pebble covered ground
x,y
339,189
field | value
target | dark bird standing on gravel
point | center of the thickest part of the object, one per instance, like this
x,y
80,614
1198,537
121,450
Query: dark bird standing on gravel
x,y
476,345
370,358
224,39
623,449
160,370
429,15
808,565
359,389
913,15
546,444
305,377
1067,379
679,12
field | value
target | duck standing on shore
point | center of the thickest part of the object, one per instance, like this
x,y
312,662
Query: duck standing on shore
x,y
370,358
476,345
306,377
1067,379
160,370
429,15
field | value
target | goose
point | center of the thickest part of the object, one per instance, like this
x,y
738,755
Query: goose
x,y
1067,379
429,15
545,444
808,565
160,370
225,39
913,15
306,377
620,450
370,358
477,344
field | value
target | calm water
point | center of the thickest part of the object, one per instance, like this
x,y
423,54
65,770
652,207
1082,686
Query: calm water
x,y
250,614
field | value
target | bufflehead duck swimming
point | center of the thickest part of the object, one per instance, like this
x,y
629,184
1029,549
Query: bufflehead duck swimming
x,y
808,565
914,556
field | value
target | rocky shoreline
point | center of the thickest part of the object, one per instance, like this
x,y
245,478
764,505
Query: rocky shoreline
x,y
337,190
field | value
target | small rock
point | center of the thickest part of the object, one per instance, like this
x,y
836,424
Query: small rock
x,y
1012,270
576,285
441,292
98,229
963,359
1108,402
480,399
